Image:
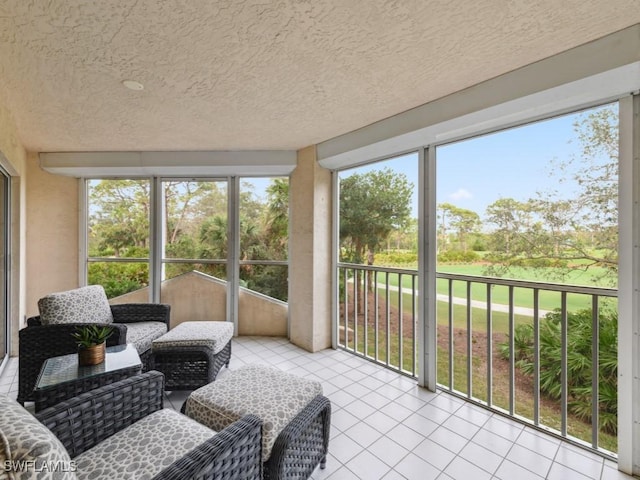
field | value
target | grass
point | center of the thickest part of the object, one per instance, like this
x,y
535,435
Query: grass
x,y
499,320
522,297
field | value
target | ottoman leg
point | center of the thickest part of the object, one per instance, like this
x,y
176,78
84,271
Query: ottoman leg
x,y
323,462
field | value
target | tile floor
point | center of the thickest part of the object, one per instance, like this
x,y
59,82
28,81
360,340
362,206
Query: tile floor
x,y
385,427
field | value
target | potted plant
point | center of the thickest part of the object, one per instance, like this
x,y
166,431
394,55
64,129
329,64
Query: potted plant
x,y
91,341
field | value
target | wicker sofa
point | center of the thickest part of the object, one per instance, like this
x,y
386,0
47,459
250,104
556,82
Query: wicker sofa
x,y
137,323
122,431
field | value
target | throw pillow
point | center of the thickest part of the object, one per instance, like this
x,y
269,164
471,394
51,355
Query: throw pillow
x,y
82,305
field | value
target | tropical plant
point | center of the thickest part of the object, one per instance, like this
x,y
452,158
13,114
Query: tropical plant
x,y
579,361
91,335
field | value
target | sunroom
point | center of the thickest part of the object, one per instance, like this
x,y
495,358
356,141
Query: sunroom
x,y
201,155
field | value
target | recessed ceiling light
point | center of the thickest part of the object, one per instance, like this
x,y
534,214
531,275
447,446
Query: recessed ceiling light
x,y
132,85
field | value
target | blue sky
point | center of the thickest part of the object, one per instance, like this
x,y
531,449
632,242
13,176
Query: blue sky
x,y
514,163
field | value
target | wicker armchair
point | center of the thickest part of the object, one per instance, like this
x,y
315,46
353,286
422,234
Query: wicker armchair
x,y
39,342
84,422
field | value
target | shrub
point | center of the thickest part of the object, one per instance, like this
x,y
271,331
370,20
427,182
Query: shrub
x,y
118,278
459,256
479,245
397,258
539,262
579,365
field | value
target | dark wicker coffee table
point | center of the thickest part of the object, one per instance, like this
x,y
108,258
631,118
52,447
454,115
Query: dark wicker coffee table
x,y
62,378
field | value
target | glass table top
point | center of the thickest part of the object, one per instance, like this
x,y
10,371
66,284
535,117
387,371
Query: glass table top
x,y
57,370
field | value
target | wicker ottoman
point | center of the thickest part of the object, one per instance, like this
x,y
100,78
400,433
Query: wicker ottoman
x,y
295,415
191,354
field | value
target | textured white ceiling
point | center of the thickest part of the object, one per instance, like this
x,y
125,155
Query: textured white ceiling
x,y
281,74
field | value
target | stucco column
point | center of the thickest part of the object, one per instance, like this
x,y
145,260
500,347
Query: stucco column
x,y
310,250
52,233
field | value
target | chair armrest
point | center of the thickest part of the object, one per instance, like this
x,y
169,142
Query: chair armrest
x,y
141,312
84,421
37,343
34,321
235,452
308,432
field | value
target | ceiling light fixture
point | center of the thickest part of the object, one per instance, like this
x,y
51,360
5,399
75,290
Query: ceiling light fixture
x,y
132,85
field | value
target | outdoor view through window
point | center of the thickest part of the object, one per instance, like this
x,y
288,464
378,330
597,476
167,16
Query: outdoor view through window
x,y
195,241
527,232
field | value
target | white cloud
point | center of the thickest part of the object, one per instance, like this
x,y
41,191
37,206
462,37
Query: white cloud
x,y
460,194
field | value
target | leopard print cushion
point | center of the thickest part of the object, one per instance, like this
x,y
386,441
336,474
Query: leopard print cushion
x,y
144,449
213,335
271,394
141,334
82,305
24,439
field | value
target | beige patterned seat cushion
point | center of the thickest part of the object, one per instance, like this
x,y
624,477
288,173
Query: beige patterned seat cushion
x,y
24,439
271,394
142,334
213,335
82,305
143,449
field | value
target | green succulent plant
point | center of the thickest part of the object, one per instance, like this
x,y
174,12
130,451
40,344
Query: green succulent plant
x,y
90,335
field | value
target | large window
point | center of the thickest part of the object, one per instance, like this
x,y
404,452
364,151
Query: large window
x,y
264,236
118,236
194,245
188,264
527,261
378,261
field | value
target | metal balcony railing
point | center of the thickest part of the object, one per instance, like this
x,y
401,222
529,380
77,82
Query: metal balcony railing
x,y
477,319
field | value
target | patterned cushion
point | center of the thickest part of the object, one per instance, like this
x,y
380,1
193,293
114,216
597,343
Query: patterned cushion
x,y
213,335
274,396
144,449
82,305
141,334
24,439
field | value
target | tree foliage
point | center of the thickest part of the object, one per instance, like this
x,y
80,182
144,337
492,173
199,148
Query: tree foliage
x,y
195,228
372,205
120,219
560,227
463,222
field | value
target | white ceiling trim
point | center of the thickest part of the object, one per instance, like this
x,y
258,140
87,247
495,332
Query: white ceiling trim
x,y
177,164
601,71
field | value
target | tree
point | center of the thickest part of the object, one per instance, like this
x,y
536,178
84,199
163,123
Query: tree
x,y
511,218
443,211
119,218
372,205
184,202
195,223
276,218
463,221
571,230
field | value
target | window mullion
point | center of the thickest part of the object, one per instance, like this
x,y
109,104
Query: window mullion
x,y
156,239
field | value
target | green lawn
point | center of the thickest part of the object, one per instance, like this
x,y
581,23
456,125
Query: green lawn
x,y
500,320
523,297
